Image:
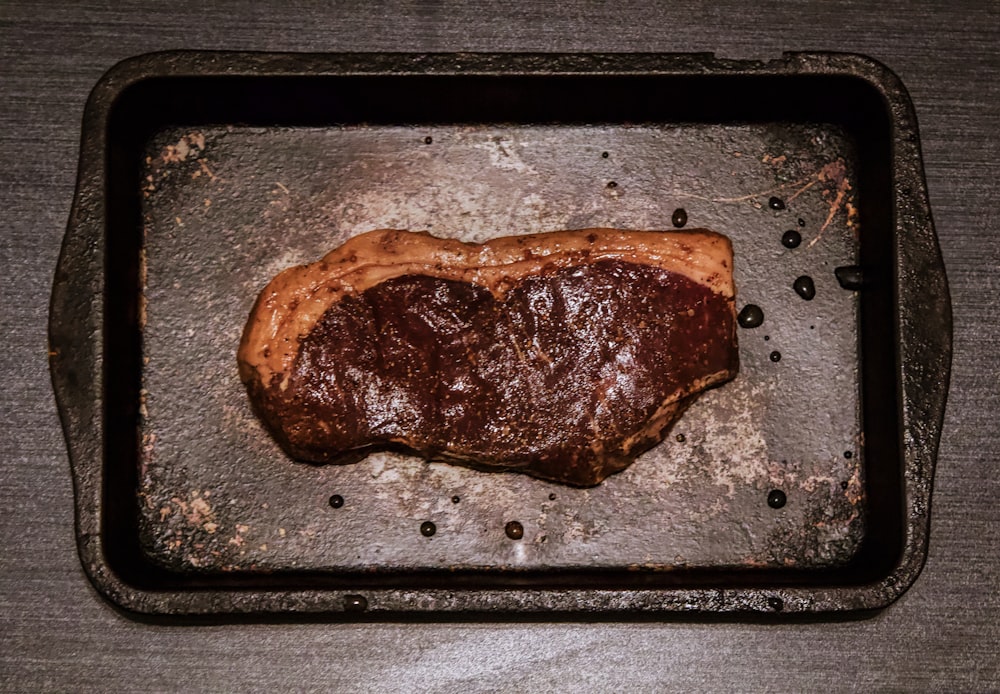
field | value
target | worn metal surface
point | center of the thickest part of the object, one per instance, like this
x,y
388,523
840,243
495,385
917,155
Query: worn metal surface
x,y
225,208
217,492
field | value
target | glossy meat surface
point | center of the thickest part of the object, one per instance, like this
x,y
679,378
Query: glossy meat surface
x,y
568,373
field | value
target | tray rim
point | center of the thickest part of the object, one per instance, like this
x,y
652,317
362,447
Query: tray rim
x,y
922,327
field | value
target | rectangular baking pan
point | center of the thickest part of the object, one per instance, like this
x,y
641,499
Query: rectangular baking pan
x,y
803,486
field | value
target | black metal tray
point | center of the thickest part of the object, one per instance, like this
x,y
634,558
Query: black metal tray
x,y
203,174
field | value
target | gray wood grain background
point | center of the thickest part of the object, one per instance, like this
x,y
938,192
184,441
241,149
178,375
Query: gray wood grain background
x,y
56,634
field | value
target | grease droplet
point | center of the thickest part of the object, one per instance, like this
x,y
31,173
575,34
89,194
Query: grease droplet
x,y
776,498
751,316
791,239
336,501
514,530
679,218
427,528
776,203
849,277
804,287
355,603
775,356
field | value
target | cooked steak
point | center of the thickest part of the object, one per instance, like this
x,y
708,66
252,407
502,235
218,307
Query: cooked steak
x,y
562,355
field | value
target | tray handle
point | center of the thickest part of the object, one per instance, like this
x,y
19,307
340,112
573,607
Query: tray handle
x,y
76,341
924,339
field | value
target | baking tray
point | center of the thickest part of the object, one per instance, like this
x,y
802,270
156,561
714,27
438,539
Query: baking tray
x,y
803,486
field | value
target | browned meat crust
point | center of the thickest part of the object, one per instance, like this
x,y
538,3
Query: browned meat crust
x,y
561,355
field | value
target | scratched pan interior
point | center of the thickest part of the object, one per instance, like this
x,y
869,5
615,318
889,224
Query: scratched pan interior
x,y
243,203
217,183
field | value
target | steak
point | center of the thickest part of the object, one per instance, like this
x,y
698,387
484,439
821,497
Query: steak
x,y
561,355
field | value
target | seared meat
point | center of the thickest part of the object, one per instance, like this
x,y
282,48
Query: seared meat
x,y
562,355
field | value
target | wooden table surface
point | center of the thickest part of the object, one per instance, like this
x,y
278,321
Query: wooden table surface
x,y
58,635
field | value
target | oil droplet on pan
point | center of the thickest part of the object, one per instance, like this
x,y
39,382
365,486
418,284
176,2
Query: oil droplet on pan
x,y
514,530
804,287
791,239
776,498
355,603
849,277
751,316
